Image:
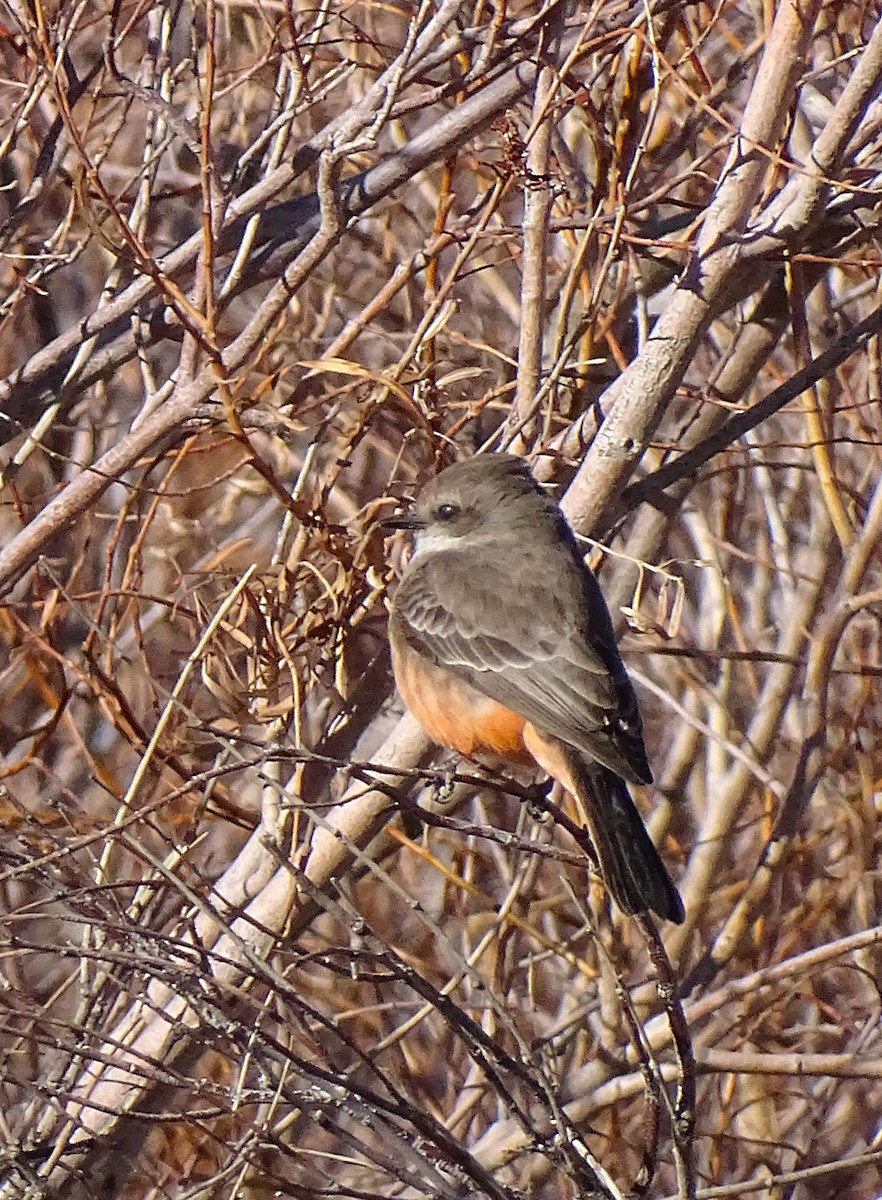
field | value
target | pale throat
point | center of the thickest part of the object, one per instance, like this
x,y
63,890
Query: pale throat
x,y
431,541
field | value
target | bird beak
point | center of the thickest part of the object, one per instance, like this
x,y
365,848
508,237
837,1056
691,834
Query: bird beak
x,y
405,520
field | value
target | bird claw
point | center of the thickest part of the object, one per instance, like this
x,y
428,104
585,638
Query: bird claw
x,y
535,796
444,784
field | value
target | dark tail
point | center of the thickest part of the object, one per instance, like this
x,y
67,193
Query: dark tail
x,y
629,862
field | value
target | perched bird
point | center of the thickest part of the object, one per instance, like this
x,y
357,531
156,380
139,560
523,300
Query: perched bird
x,y
502,645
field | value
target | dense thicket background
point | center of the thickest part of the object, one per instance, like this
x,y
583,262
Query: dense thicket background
x,y
265,267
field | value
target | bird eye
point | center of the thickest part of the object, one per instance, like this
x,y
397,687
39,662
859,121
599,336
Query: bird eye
x,y
447,512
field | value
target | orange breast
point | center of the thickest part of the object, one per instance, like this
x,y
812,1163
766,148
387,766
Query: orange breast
x,y
452,712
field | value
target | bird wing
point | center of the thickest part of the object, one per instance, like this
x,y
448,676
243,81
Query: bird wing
x,y
513,638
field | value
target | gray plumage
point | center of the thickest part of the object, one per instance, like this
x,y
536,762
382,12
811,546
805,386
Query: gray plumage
x,y
498,593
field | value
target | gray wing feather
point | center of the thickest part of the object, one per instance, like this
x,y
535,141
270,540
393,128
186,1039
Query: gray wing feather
x,y
567,682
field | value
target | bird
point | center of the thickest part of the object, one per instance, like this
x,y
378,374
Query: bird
x,y
503,648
